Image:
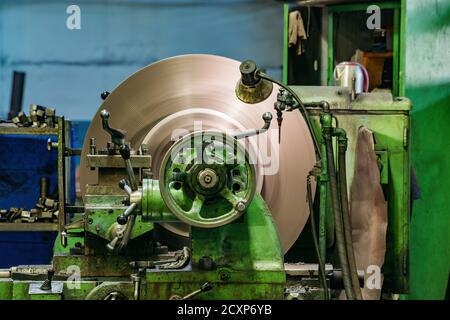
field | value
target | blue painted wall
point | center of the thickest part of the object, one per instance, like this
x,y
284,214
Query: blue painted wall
x,y
67,69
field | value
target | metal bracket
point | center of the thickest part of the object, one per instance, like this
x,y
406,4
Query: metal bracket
x,y
383,163
35,288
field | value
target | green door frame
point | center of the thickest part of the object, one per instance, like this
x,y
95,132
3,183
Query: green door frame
x,y
398,39
396,7
285,42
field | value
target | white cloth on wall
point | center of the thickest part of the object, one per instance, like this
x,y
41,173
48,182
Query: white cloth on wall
x,y
297,32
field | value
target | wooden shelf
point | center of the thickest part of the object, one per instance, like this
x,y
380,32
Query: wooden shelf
x,y
28,226
28,130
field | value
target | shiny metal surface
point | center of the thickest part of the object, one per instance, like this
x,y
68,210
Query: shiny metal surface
x,y
195,92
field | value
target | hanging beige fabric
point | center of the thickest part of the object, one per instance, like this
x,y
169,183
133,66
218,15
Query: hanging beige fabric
x,y
368,215
297,33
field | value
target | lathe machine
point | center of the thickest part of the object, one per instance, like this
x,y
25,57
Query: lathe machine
x,y
192,190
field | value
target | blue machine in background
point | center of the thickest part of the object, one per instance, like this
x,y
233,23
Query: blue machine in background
x,y
23,160
78,130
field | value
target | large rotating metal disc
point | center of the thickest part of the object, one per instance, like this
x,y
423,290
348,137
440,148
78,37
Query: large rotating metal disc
x,y
197,92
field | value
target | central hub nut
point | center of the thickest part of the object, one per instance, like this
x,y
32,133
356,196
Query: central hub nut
x,y
207,178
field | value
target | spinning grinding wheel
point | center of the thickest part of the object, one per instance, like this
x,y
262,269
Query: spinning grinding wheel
x,y
179,95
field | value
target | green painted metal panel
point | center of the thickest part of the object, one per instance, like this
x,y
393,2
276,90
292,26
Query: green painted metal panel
x,y
227,284
247,244
396,52
330,35
6,286
402,45
363,6
388,119
285,43
427,84
248,265
389,130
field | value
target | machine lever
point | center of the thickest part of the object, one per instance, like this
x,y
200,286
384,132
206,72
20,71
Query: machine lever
x,y
118,138
125,153
111,246
267,117
117,135
150,264
123,184
205,287
127,233
68,152
47,284
123,218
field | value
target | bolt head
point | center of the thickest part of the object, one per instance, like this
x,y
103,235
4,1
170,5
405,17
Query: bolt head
x,y
206,263
240,206
207,178
104,95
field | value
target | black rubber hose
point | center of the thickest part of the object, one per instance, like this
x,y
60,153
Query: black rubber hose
x,y
346,220
339,228
321,263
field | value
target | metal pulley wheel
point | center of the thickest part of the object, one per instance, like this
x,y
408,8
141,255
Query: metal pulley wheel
x,y
213,172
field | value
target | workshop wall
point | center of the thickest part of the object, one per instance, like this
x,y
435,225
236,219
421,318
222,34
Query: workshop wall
x,y
428,86
67,69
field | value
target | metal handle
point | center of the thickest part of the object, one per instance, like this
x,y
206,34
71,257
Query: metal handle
x,y
123,184
267,117
127,233
123,218
111,246
125,153
117,135
205,287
